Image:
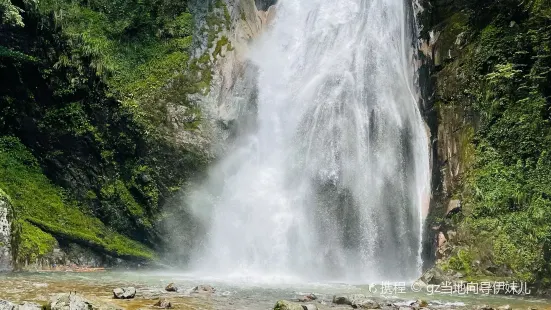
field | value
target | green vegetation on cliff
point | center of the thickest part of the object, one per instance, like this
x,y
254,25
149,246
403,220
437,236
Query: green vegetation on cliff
x,y
43,210
501,70
94,97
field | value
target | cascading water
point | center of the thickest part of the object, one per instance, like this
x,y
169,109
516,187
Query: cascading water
x,y
331,182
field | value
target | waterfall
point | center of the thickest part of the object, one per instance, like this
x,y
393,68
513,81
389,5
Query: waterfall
x,y
331,181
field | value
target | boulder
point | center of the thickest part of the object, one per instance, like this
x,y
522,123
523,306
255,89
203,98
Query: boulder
x,y
287,305
171,288
504,307
434,276
484,307
348,299
29,306
70,301
124,293
6,305
365,303
308,298
309,307
204,289
163,303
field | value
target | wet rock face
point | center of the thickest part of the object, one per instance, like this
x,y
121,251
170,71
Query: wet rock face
x,y
5,234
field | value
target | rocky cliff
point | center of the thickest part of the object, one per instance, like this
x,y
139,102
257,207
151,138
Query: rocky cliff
x,y
107,111
488,91
6,232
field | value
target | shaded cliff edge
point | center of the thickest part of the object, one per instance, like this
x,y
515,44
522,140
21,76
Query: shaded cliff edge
x,y
486,79
450,126
451,122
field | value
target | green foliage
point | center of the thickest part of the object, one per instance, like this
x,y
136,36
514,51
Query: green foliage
x,y
506,70
10,14
88,90
140,50
35,200
117,193
461,261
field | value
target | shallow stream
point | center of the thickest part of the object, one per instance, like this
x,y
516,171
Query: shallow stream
x,y
231,293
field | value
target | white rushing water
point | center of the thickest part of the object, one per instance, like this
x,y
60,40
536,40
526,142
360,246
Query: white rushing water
x,y
331,183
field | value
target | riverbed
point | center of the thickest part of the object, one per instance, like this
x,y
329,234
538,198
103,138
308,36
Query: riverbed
x,y
231,292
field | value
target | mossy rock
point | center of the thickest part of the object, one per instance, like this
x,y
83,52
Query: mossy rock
x,y
287,305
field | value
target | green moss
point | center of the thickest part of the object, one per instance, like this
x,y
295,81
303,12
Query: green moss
x,y
219,45
35,199
466,146
227,16
103,241
5,196
34,243
462,261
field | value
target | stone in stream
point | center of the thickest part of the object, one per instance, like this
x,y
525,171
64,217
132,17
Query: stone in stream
x,y
6,305
418,304
171,288
69,301
29,306
124,293
484,307
504,307
287,305
308,298
163,303
359,301
204,289
364,303
347,299
422,303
